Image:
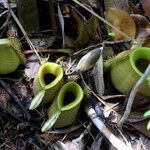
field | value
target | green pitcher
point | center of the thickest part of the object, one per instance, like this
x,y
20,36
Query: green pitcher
x,y
10,55
127,67
64,108
47,83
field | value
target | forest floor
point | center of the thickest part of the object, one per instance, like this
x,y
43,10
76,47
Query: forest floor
x,y
101,48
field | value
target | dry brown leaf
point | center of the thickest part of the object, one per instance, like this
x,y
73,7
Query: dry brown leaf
x,y
143,33
134,8
65,11
140,20
118,4
143,28
86,26
141,103
146,7
122,21
146,43
141,127
137,121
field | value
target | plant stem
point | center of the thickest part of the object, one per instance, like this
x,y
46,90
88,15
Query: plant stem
x,y
132,96
102,19
25,35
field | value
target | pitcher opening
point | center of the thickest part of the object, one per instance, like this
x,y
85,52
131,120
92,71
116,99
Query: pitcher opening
x,y
142,64
68,98
48,78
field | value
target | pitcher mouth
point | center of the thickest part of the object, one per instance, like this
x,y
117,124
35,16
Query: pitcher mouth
x,y
5,42
75,95
140,59
50,74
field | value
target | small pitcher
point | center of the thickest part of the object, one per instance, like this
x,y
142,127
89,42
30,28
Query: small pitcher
x,y
65,107
128,67
47,83
10,55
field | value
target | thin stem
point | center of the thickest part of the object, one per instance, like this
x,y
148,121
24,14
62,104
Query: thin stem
x,y
25,35
102,19
132,96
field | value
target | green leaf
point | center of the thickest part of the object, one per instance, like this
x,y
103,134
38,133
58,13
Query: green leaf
x,y
148,82
148,125
147,113
37,100
50,122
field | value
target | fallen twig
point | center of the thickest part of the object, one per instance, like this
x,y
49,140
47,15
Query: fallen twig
x,y
66,130
27,52
3,13
100,44
107,97
106,132
132,96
